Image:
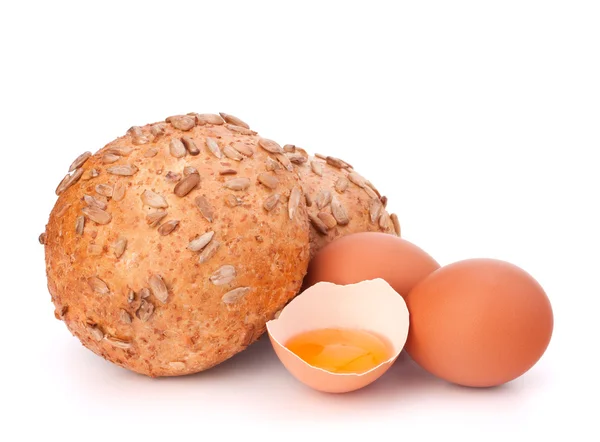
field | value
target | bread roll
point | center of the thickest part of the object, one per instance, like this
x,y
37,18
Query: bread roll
x,y
340,201
169,249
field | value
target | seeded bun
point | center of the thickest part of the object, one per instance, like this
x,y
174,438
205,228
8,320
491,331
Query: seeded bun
x,y
170,248
339,200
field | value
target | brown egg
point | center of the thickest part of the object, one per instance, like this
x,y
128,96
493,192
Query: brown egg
x,y
370,255
478,322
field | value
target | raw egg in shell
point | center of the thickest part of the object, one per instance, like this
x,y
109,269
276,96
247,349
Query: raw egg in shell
x,y
340,338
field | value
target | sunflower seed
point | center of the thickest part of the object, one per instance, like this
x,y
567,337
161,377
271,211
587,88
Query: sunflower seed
x,y
121,151
151,153
89,174
63,210
233,154
233,120
373,188
321,156
297,158
42,238
145,293
79,161
205,208
243,148
173,177
285,161
396,223
213,147
308,199
318,224
294,201
202,119
228,172
237,183
327,219
335,162
341,184
370,192
119,343
317,167
268,180
97,215
384,201
224,275
199,243
357,179
123,170
271,202
384,220
235,295
232,201
177,365
323,198
145,311
119,247
272,164
182,122
186,185
68,181
94,250
176,148
94,202
209,251
168,227
97,285
96,333
109,158
155,217
289,148
158,129
158,287
339,212
375,207
154,200
270,145
104,190
124,316
79,224
130,296
137,135
190,146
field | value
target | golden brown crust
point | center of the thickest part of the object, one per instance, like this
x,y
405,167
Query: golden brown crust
x,y
106,265
332,192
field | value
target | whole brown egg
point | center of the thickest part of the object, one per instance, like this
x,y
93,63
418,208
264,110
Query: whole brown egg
x,y
478,322
369,255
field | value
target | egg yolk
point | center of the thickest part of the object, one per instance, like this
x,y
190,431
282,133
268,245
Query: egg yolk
x,y
340,350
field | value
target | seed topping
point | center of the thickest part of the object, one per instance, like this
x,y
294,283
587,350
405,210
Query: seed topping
x,y
202,241
235,295
168,227
186,185
158,287
233,120
154,200
224,275
213,147
99,216
79,161
205,208
123,170
270,145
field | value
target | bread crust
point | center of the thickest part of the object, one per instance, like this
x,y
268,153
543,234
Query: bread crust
x,y
105,276
328,187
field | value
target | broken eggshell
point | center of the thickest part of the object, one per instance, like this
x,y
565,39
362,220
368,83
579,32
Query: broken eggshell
x,y
370,305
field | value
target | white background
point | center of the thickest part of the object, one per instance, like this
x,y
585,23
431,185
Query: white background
x,y
479,121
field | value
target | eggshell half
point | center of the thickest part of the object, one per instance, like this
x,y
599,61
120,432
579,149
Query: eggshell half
x,y
368,305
